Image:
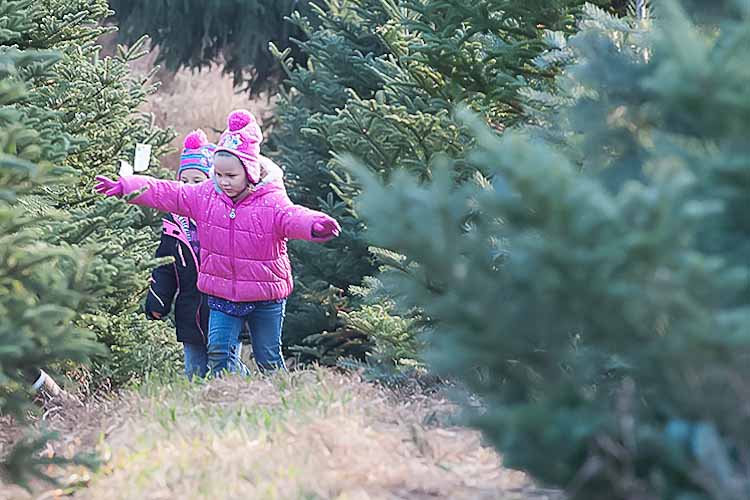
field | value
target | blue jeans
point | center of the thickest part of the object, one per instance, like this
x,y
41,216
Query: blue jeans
x,y
196,360
265,322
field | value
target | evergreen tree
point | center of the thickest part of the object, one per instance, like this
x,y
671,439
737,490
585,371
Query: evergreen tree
x,y
601,313
84,108
380,83
40,284
234,33
340,43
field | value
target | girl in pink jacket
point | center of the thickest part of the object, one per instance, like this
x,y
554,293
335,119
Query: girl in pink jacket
x,y
244,219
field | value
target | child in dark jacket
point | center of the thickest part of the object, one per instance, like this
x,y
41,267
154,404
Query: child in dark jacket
x,y
177,282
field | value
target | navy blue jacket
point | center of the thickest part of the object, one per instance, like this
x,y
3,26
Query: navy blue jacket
x,y
177,282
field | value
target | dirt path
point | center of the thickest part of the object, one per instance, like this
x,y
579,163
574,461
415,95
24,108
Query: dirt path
x,y
313,434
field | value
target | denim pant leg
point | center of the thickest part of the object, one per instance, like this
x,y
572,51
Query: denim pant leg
x,y
235,363
265,323
196,360
223,333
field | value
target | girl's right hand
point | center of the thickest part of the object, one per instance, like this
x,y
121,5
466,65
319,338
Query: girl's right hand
x,y
108,187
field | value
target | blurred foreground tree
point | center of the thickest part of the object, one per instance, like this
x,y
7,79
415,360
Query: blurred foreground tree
x,y
595,292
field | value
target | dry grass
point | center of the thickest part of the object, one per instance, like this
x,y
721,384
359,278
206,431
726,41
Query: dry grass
x,y
80,429
312,434
203,99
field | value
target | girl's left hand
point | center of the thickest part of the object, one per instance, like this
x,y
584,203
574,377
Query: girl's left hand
x,y
108,187
329,228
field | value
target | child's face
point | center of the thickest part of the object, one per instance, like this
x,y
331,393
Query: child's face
x,y
192,176
230,176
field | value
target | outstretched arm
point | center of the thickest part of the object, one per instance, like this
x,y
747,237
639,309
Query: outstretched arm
x,y
301,223
168,196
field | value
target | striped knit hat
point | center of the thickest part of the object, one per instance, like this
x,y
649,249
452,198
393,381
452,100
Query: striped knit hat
x,y
197,153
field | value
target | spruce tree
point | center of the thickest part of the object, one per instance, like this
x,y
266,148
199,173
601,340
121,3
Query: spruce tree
x,y
340,42
40,284
85,109
600,313
380,83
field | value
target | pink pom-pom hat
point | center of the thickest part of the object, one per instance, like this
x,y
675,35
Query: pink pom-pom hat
x,y
242,138
197,153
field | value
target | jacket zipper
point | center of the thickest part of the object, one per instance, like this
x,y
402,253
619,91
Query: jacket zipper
x,y
232,216
182,257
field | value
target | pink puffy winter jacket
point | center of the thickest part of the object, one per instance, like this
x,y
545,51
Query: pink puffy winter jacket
x,y
243,246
